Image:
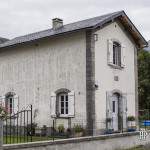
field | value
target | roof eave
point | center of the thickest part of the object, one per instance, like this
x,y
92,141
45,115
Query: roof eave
x,y
139,39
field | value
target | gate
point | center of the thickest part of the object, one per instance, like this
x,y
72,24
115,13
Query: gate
x,y
18,127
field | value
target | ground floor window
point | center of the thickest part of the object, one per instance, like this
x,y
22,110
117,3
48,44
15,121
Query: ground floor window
x,y
9,104
62,103
63,100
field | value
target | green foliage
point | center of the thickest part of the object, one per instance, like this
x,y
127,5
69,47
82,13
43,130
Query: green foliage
x,y
144,114
131,118
144,79
78,128
61,128
3,113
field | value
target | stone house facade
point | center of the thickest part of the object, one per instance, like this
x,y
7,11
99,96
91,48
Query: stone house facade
x,y
80,73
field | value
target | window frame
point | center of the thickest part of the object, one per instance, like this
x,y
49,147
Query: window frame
x,y
9,106
117,54
65,104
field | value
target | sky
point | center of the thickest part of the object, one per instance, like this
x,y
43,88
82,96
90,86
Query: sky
x,y
20,17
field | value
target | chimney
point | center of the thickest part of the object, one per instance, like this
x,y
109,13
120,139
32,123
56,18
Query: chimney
x,y
57,23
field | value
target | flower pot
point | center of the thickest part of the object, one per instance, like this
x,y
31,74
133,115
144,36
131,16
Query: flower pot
x,y
131,124
78,134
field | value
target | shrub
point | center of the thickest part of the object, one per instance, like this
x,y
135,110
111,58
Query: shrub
x,y
131,118
31,128
78,128
3,113
61,128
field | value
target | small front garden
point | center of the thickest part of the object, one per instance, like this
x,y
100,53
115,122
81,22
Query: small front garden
x,y
140,148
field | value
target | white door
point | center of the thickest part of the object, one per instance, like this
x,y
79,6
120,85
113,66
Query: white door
x,y
115,112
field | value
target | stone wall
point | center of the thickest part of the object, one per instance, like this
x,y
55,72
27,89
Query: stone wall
x,y
35,70
103,142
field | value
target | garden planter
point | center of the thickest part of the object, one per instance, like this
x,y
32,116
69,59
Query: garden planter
x,y
78,134
131,129
131,124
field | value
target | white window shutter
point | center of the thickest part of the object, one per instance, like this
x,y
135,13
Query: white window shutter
x,y
124,113
110,51
2,101
122,55
109,104
71,104
16,104
53,104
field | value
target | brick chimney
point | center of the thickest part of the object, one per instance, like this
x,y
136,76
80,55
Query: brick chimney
x,y
57,23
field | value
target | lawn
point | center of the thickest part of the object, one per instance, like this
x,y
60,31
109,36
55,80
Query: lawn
x,y
13,140
138,148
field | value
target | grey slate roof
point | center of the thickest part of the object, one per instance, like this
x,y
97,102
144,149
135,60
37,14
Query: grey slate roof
x,y
89,23
2,40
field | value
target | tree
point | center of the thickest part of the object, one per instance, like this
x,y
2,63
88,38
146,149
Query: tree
x,y
144,79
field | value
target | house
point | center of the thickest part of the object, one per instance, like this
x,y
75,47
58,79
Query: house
x,y
2,40
80,73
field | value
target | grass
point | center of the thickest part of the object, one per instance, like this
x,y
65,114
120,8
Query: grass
x,y
138,148
13,140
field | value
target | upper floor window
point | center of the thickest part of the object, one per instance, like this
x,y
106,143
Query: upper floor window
x,y
116,54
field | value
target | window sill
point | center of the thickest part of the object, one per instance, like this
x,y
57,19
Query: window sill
x,y
116,67
63,116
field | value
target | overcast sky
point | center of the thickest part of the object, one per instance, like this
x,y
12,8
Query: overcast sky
x,y
20,17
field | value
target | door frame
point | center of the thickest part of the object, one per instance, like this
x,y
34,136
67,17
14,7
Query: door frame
x,y
119,114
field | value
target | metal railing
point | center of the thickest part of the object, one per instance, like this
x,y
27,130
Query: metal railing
x,y
17,128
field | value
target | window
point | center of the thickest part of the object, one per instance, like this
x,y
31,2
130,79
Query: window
x,y
9,104
63,101
116,54
113,106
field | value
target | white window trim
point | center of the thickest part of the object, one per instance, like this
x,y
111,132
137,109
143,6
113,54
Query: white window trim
x,y
8,101
111,41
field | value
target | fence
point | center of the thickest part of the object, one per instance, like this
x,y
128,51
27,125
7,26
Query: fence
x,y
144,119
17,128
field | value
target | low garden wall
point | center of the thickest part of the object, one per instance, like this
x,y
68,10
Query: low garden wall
x,y
103,142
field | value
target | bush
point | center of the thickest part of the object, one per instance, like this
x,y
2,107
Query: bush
x,y
31,128
3,113
61,128
78,128
131,118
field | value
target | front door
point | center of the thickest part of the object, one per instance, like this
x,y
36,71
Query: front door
x,y
115,100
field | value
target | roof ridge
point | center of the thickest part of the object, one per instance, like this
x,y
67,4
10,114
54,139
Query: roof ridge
x,y
74,26
67,24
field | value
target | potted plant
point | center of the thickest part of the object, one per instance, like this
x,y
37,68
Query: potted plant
x,y
78,130
61,128
131,123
